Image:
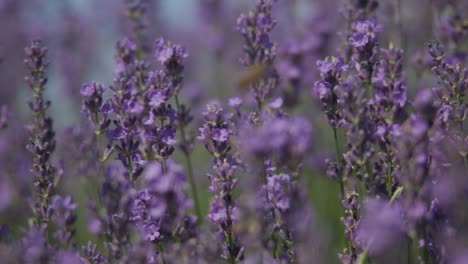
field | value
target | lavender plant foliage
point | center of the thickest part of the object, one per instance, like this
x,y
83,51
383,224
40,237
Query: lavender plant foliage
x,y
452,90
394,116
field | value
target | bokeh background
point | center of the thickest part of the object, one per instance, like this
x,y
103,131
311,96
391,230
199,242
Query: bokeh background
x,y
81,36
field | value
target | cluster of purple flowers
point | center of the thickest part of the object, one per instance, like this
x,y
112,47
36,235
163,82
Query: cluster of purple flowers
x,y
398,179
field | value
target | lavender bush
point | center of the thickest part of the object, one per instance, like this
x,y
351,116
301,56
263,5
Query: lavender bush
x,y
262,131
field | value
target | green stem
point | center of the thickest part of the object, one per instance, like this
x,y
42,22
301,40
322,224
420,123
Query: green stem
x,y
232,258
163,165
339,159
410,252
389,179
162,253
400,25
193,187
188,162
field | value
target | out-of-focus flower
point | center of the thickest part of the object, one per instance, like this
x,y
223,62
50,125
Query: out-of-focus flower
x,y
381,227
285,139
63,216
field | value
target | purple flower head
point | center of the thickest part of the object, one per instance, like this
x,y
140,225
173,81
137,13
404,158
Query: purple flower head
x,y
42,136
162,182
218,213
133,107
115,199
157,98
34,246
167,52
286,139
389,82
423,103
221,135
136,12
324,91
331,70
126,54
152,232
142,252
276,103
364,32
87,90
68,256
94,225
259,50
171,57
91,255
331,67
93,106
381,227
162,204
215,133
64,218
235,102
279,190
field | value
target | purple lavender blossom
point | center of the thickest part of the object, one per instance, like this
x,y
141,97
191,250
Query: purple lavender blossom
x,y
331,70
136,12
399,135
381,227
68,256
364,33
35,247
215,135
91,255
255,28
42,142
278,187
161,206
283,139
453,86
64,218
364,42
116,199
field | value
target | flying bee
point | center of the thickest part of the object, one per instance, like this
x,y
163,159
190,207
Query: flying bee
x,y
251,75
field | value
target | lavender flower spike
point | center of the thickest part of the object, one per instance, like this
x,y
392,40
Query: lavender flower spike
x,y
255,28
215,135
64,218
42,136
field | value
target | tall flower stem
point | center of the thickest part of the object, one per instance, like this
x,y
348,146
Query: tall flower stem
x,y
42,136
399,23
188,161
339,159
